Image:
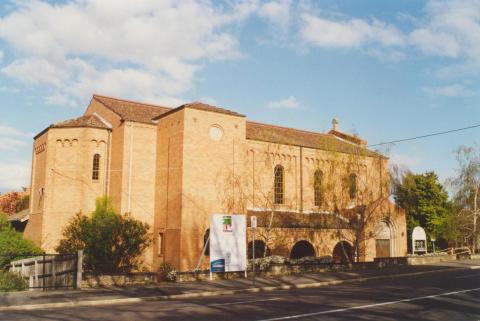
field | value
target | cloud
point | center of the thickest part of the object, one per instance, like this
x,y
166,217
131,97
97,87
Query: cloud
x,y
405,161
12,139
451,29
348,33
277,12
147,49
455,90
288,103
14,175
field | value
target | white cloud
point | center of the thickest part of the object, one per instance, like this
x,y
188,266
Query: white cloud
x,y
455,90
13,176
147,49
436,44
6,130
353,32
288,103
12,139
277,12
1,56
405,161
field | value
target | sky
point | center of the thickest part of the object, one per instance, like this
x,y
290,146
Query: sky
x,y
386,70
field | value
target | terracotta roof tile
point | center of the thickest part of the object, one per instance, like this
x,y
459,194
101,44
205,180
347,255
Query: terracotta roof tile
x,y
204,107
83,121
132,111
297,137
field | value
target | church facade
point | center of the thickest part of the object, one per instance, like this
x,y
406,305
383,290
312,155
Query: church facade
x,y
313,193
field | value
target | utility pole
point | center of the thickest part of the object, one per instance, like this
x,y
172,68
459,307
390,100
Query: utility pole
x,y
253,225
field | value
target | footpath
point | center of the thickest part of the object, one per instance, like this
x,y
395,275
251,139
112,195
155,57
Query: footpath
x,y
184,290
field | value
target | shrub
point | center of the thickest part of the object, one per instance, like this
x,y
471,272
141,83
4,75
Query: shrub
x,y
10,281
13,245
111,242
167,272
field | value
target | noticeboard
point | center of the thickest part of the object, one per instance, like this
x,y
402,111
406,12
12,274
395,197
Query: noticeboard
x,y
228,248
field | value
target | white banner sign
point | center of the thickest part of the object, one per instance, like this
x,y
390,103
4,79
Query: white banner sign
x,y
228,238
419,240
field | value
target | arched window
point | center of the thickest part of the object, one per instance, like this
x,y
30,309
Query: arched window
x,y
278,184
96,167
317,188
352,186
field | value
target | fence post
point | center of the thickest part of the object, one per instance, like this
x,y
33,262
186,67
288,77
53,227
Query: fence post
x,y
78,278
54,272
43,281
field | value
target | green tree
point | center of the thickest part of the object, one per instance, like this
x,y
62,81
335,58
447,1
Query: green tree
x,y
111,242
425,201
13,245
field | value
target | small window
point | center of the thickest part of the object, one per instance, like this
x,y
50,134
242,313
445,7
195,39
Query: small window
x,y
352,186
160,244
278,184
96,167
318,188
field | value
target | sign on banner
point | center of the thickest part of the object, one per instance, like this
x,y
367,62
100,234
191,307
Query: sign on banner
x,y
253,221
228,248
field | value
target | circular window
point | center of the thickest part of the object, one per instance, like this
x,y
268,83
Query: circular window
x,y
215,132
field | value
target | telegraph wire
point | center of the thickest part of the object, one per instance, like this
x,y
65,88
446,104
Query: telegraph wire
x,y
425,136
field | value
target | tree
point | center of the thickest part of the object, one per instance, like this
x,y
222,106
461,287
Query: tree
x,y
13,245
466,186
9,201
111,242
425,201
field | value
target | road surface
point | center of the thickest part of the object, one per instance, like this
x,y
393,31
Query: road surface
x,y
449,295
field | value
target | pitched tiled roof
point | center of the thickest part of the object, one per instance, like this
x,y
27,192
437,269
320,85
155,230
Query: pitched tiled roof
x,y
84,121
297,137
201,106
132,111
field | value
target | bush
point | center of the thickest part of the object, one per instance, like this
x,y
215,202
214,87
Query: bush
x,y
111,243
10,281
13,245
166,272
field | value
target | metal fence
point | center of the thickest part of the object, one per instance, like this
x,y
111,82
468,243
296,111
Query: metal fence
x,y
49,271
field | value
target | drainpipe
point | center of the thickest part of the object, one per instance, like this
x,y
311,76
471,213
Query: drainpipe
x,y
301,179
129,200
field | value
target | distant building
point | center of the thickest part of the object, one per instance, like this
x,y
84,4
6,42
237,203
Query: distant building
x,y
173,168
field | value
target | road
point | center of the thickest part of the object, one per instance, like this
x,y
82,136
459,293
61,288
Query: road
x,y
449,295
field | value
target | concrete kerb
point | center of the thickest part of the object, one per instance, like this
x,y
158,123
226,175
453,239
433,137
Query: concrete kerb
x,y
85,303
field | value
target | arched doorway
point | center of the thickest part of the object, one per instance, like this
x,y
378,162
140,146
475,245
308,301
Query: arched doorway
x,y
342,252
382,240
259,249
302,249
386,238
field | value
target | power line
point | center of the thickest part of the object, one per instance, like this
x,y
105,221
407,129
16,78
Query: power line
x,y
425,136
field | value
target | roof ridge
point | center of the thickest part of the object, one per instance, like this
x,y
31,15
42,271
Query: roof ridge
x,y
291,128
130,101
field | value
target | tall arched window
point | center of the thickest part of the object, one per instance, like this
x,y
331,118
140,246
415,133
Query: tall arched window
x,y
96,167
278,184
317,188
352,186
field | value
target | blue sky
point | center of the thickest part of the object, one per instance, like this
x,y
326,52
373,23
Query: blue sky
x,y
385,69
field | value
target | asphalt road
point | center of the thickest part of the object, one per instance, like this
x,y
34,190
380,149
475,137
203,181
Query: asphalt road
x,y
449,295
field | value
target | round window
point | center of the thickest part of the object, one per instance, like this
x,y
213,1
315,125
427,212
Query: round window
x,y
215,132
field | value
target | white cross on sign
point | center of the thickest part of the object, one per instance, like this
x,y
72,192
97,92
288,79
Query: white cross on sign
x,y
253,221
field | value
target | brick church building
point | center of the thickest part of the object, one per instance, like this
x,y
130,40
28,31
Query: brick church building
x,y
173,167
